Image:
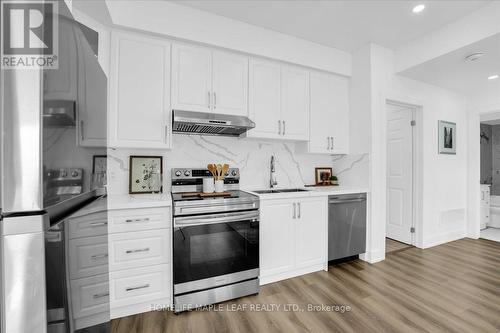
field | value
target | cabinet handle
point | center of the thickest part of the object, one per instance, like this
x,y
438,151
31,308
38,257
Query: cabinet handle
x,y
482,195
328,143
99,256
331,145
81,130
101,295
96,224
279,127
137,220
138,287
215,100
146,249
284,127
209,104
294,210
298,204
166,133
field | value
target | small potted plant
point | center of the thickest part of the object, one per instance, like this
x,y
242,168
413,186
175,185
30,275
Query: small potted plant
x,y
334,180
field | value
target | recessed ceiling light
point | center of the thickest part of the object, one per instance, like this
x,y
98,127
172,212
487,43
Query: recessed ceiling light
x,y
493,77
418,8
474,56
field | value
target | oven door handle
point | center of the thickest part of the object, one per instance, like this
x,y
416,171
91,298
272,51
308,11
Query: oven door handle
x,y
216,218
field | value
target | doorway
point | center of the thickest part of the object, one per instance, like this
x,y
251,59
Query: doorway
x,y
400,191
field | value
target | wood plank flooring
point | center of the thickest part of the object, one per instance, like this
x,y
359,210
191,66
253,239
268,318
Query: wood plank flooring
x,y
391,245
453,287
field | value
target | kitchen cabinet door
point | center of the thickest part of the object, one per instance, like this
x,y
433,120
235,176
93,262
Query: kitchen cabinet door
x,y
191,78
339,129
61,83
295,103
322,113
311,232
92,97
277,237
230,84
264,99
139,92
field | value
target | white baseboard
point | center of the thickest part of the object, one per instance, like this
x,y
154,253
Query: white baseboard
x,y
373,257
290,274
443,238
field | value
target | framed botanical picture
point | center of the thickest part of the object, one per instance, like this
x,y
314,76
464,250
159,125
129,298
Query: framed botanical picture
x,y
447,137
323,175
145,174
99,163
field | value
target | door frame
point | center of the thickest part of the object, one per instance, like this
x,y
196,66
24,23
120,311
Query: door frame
x,y
417,166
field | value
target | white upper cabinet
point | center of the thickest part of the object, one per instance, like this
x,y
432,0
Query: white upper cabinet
x,y
191,78
278,101
329,127
92,98
209,81
264,99
295,103
230,84
139,92
62,83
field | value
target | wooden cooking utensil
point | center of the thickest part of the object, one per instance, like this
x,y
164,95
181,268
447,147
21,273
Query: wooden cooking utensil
x,y
213,170
219,171
225,168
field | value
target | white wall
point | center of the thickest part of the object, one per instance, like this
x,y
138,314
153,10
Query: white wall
x,y
443,178
169,19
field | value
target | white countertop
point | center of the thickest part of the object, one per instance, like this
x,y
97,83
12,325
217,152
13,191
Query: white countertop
x,y
131,201
310,192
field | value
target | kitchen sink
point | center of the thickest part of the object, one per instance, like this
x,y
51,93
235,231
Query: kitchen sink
x,y
284,190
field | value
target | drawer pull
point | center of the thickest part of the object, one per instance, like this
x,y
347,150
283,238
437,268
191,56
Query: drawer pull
x,y
137,220
99,256
138,287
101,295
146,249
95,224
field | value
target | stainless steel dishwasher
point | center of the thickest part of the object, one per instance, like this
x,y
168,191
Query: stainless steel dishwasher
x,y
346,225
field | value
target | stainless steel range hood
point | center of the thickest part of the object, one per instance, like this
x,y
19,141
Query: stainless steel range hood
x,y
186,122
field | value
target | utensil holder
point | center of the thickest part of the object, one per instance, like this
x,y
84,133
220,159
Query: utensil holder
x,y
219,186
208,185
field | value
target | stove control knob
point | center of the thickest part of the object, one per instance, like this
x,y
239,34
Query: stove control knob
x,y
178,173
74,174
187,173
226,174
234,173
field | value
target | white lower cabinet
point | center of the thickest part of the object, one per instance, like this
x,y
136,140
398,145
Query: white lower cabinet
x,y
139,245
293,237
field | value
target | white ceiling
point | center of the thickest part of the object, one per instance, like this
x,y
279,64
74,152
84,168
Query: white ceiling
x,y
451,71
346,25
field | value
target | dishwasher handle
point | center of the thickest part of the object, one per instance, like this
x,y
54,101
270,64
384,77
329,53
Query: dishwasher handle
x,y
338,201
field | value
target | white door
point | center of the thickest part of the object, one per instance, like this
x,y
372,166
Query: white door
x,y
295,103
339,121
311,232
277,237
139,92
61,83
399,173
92,98
264,99
230,84
191,78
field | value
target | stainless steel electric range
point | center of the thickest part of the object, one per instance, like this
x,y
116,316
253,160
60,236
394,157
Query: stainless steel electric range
x,y
215,241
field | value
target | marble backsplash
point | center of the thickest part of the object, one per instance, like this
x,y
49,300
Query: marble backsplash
x,y
251,156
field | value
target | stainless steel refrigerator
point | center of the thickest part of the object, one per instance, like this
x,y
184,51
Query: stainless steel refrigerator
x,y
53,128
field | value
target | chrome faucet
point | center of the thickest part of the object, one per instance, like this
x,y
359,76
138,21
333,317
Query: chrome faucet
x,y
272,179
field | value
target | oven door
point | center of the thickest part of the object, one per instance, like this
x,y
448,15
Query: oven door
x,y
214,250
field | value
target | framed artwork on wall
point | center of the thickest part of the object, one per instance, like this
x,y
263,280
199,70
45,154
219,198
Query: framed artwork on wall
x,y
447,137
145,174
